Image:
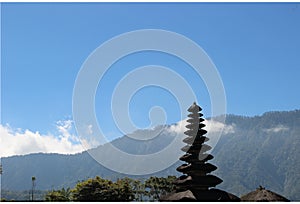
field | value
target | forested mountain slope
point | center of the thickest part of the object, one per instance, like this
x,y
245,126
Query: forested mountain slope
x,y
261,150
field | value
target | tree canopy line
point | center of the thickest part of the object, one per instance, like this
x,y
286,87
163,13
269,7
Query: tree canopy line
x,y
125,189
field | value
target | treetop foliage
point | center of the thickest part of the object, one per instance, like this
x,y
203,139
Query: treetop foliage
x,y
125,189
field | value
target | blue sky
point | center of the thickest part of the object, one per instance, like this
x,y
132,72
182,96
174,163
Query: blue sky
x,y
255,47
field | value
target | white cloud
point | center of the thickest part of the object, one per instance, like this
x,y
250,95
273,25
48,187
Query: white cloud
x,y
18,142
212,126
214,130
178,128
276,129
89,129
64,127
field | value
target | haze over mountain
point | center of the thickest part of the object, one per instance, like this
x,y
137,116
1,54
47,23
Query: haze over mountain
x,y
252,151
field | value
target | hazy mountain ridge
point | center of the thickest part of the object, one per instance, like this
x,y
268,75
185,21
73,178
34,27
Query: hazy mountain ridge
x,y
261,150
265,153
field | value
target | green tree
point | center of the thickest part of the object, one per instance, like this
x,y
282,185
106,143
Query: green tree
x,y
59,195
137,187
157,187
99,189
124,189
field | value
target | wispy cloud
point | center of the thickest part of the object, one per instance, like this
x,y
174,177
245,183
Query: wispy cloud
x,y
276,129
178,128
19,142
212,126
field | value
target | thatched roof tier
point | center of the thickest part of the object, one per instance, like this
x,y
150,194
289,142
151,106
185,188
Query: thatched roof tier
x,y
195,115
195,149
195,126
195,120
195,140
194,108
190,158
194,133
196,167
199,182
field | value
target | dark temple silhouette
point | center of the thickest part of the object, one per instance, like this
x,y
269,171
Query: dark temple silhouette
x,y
197,183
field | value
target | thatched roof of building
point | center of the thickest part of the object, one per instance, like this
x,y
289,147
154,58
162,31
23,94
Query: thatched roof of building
x,y
261,194
206,195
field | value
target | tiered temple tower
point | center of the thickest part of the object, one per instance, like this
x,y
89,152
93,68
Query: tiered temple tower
x,y
196,183
196,168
